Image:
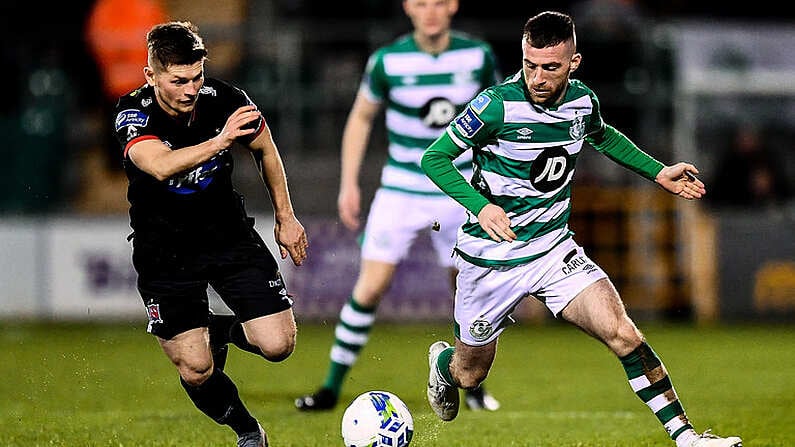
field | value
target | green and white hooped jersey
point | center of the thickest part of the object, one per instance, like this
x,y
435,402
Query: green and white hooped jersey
x,y
524,156
422,93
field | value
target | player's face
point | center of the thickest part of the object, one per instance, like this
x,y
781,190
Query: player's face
x,y
546,70
177,87
430,18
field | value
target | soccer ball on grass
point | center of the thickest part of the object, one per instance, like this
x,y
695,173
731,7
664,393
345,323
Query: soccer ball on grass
x,y
377,419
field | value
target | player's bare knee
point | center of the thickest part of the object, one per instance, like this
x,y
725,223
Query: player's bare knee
x,y
195,375
278,350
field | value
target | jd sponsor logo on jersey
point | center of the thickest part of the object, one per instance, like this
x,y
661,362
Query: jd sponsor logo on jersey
x,y
468,123
131,117
550,169
480,330
437,112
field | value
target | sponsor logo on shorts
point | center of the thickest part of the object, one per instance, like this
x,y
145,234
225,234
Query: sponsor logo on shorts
x,y
578,263
480,330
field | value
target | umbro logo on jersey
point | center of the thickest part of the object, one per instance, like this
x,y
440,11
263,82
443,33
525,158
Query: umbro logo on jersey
x,y
525,133
145,102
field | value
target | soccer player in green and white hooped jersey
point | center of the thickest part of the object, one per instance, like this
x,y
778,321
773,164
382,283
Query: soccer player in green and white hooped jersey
x,y
423,80
526,134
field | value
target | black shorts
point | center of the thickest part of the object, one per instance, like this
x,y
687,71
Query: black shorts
x,y
173,283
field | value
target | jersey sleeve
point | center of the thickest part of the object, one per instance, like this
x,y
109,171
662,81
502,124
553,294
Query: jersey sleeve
x,y
595,124
131,125
616,146
437,162
479,122
374,82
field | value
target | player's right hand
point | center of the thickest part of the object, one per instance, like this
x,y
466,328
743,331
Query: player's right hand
x,y
496,223
234,126
349,207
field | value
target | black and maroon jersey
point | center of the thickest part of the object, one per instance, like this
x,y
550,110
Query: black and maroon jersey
x,y
199,206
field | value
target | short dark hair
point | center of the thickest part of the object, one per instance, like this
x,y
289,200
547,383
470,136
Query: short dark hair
x,y
548,29
175,43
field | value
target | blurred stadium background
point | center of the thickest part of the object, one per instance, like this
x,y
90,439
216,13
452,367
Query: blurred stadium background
x,y
686,80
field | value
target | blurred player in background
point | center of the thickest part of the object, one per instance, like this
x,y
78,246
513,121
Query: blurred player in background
x,y
190,226
526,134
423,79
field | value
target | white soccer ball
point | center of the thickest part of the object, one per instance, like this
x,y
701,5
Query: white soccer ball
x,y
377,419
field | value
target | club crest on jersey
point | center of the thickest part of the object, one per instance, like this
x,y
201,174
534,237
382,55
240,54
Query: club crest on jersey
x,y
468,123
480,103
153,312
131,117
577,129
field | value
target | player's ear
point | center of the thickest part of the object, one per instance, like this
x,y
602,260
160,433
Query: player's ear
x,y
575,62
149,74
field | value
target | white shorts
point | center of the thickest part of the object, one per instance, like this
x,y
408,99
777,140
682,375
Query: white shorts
x,y
486,296
397,218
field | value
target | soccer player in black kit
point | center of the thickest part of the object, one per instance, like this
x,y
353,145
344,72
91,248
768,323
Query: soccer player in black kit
x,y
190,227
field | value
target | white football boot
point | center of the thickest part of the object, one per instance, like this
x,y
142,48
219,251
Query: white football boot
x,y
707,439
442,397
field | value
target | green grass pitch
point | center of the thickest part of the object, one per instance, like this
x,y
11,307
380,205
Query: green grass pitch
x,y
110,385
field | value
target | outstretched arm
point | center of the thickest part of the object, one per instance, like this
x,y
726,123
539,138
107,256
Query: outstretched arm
x,y
288,231
623,151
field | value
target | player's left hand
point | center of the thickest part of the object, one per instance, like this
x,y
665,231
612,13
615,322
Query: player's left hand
x,y
680,179
291,238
